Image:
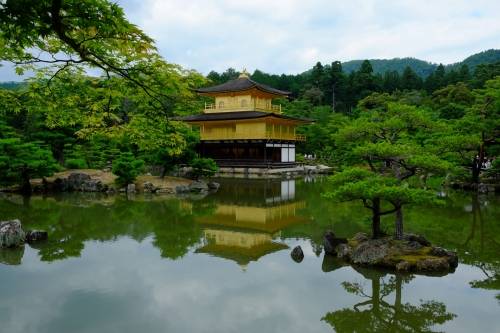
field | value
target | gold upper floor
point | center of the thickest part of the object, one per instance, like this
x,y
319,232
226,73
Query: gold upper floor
x,y
237,103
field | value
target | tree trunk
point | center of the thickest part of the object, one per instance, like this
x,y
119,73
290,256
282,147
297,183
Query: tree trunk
x,y
476,170
376,233
477,165
333,97
25,185
398,232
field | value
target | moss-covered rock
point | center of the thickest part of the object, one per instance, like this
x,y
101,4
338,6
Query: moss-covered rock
x,y
413,253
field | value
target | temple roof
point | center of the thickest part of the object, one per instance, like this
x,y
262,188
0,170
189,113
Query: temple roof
x,y
239,115
242,83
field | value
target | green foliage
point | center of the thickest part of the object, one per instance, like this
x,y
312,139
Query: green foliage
x,y
203,167
76,163
386,146
21,161
127,168
452,101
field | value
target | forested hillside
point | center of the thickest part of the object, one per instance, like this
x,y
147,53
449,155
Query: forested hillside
x,y
380,66
421,67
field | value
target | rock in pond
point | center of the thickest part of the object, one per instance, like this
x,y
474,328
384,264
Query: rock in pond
x,y
35,236
297,254
198,187
213,186
11,234
330,242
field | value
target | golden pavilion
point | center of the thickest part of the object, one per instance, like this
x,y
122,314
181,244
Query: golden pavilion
x,y
243,128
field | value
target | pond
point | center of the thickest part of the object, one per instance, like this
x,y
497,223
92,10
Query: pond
x,y
221,263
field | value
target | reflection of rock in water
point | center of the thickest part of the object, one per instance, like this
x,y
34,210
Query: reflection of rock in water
x,y
247,217
375,314
12,256
332,263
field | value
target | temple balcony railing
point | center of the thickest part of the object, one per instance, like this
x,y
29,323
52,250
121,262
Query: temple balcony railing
x,y
212,107
230,135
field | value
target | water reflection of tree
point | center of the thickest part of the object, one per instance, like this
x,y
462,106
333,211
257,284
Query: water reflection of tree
x,y
376,314
71,223
488,264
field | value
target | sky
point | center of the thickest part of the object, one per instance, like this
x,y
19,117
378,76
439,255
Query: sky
x,y
290,36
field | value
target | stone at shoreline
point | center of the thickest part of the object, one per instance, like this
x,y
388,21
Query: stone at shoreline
x,y
149,187
297,254
413,253
131,188
213,186
370,252
450,256
166,190
35,236
11,234
75,181
182,189
198,187
417,238
92,185
330,242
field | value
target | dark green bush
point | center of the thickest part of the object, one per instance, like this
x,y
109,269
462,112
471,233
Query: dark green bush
x,y
76,163
127,168
203,167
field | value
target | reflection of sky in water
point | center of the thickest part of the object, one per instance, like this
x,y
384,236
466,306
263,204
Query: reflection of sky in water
x,y
125,286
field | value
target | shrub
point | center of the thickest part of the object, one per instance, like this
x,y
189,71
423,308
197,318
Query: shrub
x,y
127,168
76,163
203,167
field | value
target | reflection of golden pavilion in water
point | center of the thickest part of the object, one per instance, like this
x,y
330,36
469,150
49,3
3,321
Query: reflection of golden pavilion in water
x,y
248,218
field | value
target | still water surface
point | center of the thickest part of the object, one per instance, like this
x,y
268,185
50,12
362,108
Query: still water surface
x,y
222,264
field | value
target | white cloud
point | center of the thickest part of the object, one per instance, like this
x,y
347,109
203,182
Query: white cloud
x,y
290,36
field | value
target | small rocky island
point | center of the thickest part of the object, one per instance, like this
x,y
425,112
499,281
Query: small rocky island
x,y
413,253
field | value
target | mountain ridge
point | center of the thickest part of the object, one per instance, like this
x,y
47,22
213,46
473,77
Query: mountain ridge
x,y
422,67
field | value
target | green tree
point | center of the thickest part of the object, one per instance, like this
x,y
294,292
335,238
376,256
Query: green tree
x,y
410,80
452,101
391,81
21,161
387,144
73,33
469,141
127,168
203,167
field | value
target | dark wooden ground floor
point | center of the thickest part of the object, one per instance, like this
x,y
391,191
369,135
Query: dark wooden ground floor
x,y
258,154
